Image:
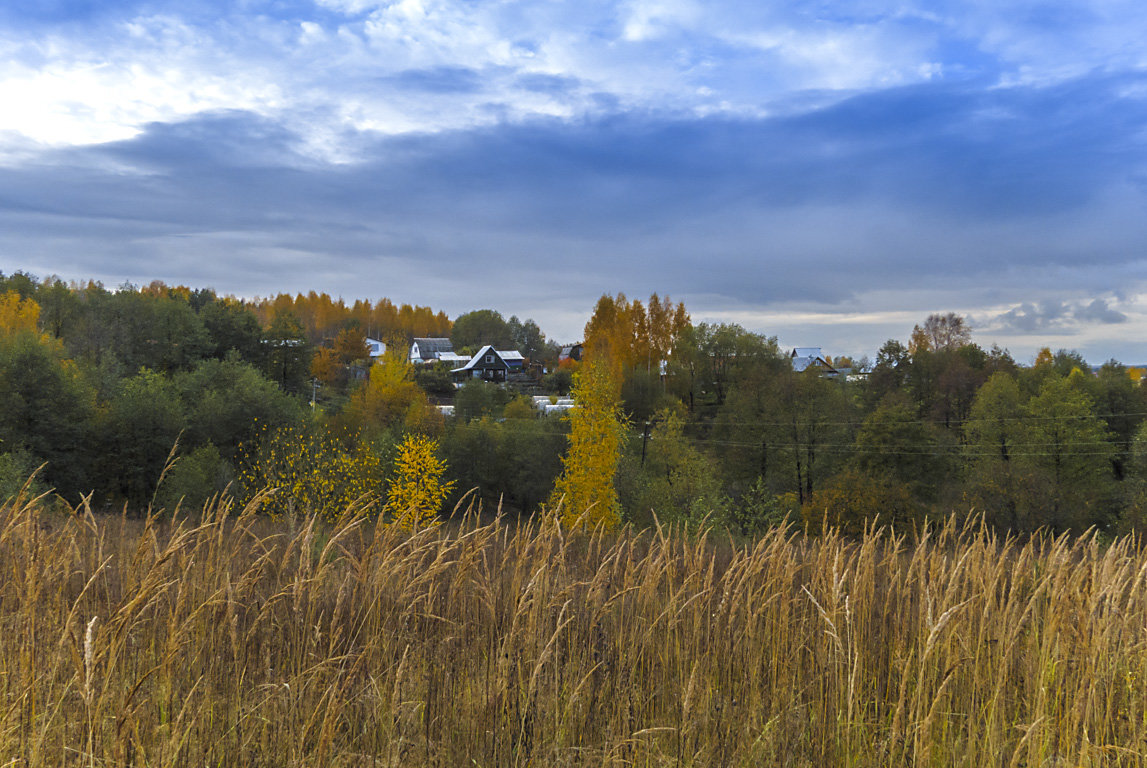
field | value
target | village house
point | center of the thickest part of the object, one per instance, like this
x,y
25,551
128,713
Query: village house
x,y
804,358
376,348
489,365
423,351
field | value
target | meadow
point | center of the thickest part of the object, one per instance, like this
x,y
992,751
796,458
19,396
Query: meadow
x,y
224,638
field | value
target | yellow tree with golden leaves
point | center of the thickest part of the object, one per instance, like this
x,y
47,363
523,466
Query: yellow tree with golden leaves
x,y
585,493
17,314
416,490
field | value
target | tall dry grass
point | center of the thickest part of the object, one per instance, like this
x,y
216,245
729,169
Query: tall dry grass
x,y
226,640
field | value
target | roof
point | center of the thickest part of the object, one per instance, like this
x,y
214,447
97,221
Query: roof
x,y
806,352
478,357
430,349
804,362
510,354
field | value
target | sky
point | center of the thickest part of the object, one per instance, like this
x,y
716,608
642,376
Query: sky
x,y
827,173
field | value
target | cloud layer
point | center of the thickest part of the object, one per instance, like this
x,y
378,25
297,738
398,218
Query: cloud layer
x,y
831,177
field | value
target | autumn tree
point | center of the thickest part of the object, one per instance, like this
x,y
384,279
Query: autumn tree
x,y
391,399
416,490
18,314
585,492
624,334
941,331
314,470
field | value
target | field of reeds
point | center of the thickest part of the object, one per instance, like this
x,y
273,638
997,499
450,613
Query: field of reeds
x,y
226,639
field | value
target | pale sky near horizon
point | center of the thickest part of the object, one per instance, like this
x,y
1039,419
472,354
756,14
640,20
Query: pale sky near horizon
x,y
829,173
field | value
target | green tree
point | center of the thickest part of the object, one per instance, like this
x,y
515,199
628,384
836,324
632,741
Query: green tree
x,y
286,353
527,338
1000,484
476,399
228,402
140,428
894,443
231,325
815,413
59,308
479,327
46,411
1071,445
676,481
1121,403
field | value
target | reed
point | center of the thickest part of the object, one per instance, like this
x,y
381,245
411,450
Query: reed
x,y
225,639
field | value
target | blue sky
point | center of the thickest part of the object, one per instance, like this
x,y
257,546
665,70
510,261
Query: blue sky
x,y
828,173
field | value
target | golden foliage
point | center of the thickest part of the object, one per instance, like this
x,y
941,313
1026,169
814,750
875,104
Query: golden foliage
x,y
325,366
392,399
314,471
17,314
627,335
324,317
585,492
416,491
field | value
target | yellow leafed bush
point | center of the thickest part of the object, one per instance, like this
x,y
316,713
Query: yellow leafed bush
x,y
314,471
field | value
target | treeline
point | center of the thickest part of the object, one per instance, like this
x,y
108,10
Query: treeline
x,y
731,433
99,385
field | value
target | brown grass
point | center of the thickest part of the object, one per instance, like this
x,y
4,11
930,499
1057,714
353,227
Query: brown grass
x,y
229,640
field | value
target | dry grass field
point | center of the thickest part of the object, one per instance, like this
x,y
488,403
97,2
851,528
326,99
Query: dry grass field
x,y
226,639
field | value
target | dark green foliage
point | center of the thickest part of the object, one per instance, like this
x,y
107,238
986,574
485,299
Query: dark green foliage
x,y
193,479
759,509
434,380
482,326
138,329
527,338
893,442
45,411
558,382
477,399
227,402
138,432
513,462
231,327
16,469
287,354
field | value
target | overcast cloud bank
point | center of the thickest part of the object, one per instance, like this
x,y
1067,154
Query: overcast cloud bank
x,y
828,178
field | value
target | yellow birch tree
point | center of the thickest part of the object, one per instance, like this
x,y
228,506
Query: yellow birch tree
x,y
416,491
585,492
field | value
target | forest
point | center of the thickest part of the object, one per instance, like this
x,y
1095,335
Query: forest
x,y
150,397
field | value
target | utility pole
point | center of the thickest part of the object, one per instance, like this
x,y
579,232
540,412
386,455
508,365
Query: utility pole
x,y
644,442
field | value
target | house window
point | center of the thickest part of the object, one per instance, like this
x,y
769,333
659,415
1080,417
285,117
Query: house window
x,y
489,358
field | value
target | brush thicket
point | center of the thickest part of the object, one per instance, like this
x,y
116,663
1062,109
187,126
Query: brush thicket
x,y
226,639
